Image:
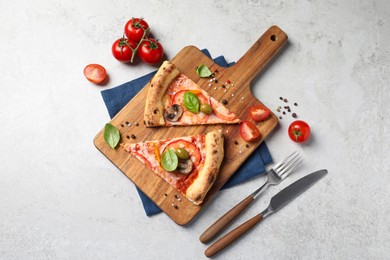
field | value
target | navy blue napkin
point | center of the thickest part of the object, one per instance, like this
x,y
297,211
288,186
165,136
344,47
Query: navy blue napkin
x,y
116,98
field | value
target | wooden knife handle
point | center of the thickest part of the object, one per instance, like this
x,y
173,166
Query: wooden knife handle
x,y
232,236
223,221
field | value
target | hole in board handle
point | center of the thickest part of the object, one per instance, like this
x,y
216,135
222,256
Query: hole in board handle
x,y
273,37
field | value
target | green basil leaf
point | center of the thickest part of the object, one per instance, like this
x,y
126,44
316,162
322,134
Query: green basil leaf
x,y
169,160
191,102
203,71
111,135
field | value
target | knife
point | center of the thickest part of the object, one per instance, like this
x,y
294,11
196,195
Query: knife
x,y
277,202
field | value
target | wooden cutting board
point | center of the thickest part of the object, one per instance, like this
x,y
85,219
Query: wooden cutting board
x,y
239,98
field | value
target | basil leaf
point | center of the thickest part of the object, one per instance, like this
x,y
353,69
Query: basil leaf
x,y
191,102
111,135
203,71
169,160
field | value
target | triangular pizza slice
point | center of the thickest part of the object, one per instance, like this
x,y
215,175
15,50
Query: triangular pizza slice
x,y
174,99
190,164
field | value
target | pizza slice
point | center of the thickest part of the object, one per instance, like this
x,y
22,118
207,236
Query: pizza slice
x,y
174,99
190,164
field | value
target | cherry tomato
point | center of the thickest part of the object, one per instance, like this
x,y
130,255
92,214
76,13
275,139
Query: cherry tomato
x,y
122,51
150,51
259,113
249,131
134,29
95,73
299,131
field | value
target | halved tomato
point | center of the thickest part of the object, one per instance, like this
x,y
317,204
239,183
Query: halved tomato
x,y
249,131
259,113
95,73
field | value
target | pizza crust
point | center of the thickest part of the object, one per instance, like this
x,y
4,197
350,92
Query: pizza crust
x,y
154,112
197,191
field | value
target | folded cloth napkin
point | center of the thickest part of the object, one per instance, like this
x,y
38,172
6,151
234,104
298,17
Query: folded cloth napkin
x,y
116,98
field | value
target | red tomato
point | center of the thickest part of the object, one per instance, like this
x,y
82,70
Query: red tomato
x,y
179,96
191,148
299,131
95,73
259,113
249,131
134,29
151,51
122,51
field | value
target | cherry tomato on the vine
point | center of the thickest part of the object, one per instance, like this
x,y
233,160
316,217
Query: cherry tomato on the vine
x,y
299,131
122,51
135,28
249,131
150,51
95,73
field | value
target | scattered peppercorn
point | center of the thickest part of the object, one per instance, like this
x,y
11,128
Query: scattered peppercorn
x,y
223,86
247,145
280,98
122,125
136,124
280,117
285,100
295,104
294,115
132,136
127,136
284,112
235,142
224,101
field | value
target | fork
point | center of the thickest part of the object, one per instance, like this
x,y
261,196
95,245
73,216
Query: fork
x,y
274,176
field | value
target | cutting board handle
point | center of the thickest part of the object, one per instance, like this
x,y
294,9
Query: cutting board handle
x,y
258,56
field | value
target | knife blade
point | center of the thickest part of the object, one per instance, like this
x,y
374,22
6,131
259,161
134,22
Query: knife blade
x,y
277,202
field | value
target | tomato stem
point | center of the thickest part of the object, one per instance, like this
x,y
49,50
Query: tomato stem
x,y
134,51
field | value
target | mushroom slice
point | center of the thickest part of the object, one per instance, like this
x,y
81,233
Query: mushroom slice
x,y
185,166
173,113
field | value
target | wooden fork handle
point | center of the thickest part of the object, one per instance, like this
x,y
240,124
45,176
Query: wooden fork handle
x,y
232,236
227,218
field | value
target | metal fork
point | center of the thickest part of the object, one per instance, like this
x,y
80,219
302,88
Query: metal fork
x,y
274,176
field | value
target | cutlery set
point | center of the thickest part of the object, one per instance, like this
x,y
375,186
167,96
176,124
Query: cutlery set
x,y
274,176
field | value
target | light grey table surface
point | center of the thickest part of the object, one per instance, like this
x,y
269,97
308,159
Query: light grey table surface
x,y
60,198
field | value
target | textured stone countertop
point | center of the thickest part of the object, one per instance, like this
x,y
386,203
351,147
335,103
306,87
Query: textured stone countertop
x,y
60,198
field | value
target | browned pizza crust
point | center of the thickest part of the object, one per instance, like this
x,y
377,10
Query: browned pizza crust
x,y
154,114
197,191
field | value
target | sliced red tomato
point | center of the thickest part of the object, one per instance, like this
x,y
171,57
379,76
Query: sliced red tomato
x,y
177,98
95,73
259,113
249,131
191,148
